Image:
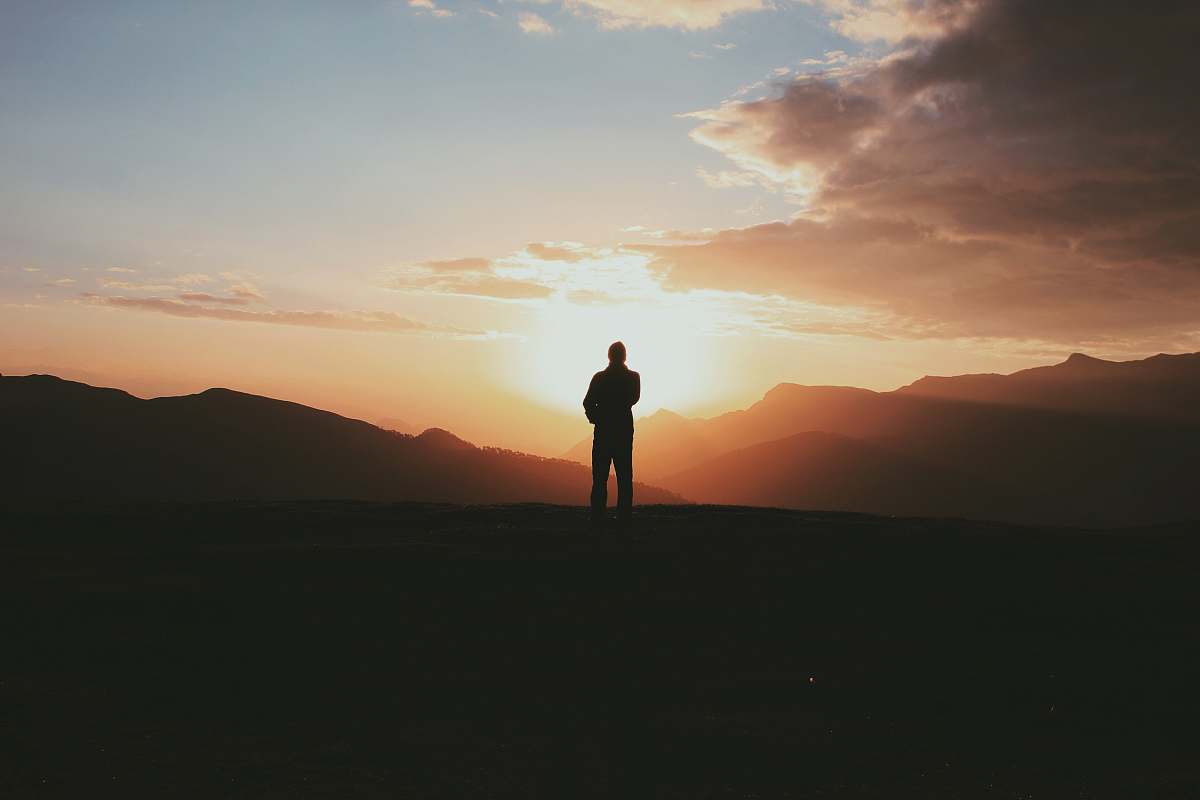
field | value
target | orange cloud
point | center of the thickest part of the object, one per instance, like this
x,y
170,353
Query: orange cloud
x,y
460,265
246,291
549,252
382,321
205,297
490,286
475,277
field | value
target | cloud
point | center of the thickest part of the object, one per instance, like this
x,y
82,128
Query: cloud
x,y
120,269
380,321
895,20
62,282
546,251
458,265
490,286
245,291
472,277
205,297
1016,169
791,139
672,234
241,284
31,269
128,286
532,23
726,179
908,281
192,279
830,58
684,14
431,8
725,45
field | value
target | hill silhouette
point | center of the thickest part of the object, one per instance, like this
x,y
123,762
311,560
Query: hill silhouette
x,y
1162,387
1084,442
71,440
830,471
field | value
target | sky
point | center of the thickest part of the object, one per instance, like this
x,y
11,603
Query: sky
x,y
443,212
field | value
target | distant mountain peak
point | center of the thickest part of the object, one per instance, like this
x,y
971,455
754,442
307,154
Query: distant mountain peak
x,y
781,388
785,391
443,439
1082,359
397,425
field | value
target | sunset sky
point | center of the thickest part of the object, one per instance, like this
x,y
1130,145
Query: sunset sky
x,y
444,211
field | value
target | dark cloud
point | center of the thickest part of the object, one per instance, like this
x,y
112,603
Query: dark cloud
x,y
1031,170
918,283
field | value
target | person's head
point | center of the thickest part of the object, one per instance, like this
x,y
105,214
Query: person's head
x,y
616,353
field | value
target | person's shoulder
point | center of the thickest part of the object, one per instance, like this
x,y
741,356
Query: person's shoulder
x,y
633,374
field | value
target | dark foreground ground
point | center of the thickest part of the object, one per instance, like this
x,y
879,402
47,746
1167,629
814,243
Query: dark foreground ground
x,y
355,650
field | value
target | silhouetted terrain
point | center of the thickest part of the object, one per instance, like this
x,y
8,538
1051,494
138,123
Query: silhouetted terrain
x,y
825,470
353,650
1163,387
70,440
1084,442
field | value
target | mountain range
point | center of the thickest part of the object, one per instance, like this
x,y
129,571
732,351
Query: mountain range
x,y
1087,442
70,441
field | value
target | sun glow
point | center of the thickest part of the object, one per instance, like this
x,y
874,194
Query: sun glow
x,y
664,342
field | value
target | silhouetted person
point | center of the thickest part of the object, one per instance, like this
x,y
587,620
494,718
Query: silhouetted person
x,y
609,406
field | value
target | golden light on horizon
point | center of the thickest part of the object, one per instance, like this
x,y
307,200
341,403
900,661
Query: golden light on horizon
x,y
663,341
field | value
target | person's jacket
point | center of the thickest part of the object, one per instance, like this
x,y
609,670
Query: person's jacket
x,y
610,398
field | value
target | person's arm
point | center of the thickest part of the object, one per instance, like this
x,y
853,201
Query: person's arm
x,y
589,401
636,390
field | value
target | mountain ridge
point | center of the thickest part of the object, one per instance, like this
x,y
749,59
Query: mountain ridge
x,y
73,440
1049,445
1061,447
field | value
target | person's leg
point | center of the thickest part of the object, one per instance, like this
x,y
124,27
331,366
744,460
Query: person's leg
x,y
622,456
600,461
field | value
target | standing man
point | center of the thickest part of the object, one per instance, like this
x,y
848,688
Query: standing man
x,y
609,406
